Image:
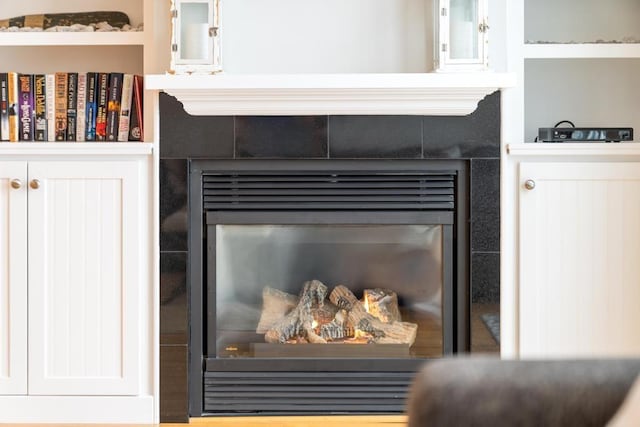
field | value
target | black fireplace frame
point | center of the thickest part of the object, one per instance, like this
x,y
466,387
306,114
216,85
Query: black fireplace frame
x,y
457,332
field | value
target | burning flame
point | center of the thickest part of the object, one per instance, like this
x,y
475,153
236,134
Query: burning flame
x,y
366,305
314,324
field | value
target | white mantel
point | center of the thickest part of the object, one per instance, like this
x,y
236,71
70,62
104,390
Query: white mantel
x,y
318,94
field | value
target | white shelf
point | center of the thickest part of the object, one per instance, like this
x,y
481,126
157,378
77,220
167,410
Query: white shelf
x,y
581,50
66,148
311,94
574,150
40,38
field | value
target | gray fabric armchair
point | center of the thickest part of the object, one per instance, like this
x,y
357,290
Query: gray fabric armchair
x,y
492,392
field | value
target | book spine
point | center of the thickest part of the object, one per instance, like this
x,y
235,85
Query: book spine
x,y
125,108
14,130
61,106
113,105
25,93
91,106
72,105
82,105
4,107
101,115
51,107
40,85
135,126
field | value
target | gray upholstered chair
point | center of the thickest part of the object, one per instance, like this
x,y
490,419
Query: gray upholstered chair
x,y
492,392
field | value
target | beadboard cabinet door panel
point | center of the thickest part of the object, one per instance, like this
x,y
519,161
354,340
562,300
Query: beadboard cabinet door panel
x,y
13,278
84,278
579,259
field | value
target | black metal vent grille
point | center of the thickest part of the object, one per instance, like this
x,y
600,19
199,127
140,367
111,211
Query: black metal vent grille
x,y
306,392
338,190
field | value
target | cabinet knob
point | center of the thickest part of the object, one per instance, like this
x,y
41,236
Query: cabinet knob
x,y
529,184
16,183
35,184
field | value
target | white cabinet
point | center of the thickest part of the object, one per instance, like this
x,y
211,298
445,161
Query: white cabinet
x,y
572,287
75,295
579,270
84,277
13,279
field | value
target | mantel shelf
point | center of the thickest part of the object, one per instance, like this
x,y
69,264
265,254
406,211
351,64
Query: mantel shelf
x,y
319,94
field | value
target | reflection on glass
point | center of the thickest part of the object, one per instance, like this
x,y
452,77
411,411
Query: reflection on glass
x,y
464,29
281,286
194,31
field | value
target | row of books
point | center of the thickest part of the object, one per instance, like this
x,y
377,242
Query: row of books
x,y
69,106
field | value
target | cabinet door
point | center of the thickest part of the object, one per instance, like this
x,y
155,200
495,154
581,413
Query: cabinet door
x,y
84,278
13,278
579,261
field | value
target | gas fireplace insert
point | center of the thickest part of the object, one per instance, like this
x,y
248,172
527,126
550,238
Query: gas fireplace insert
x,y
320,286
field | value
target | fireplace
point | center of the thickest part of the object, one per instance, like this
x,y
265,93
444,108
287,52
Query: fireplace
x,y
320,286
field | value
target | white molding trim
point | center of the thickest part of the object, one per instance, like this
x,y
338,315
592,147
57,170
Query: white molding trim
x,y
76,409
318,94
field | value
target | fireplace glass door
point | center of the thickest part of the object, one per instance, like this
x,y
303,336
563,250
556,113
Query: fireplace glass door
x,y
329,286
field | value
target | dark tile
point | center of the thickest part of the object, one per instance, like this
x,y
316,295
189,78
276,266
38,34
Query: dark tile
x,y
183,135
485,277
173,204
392,137
281,136
475,135
174,396
173,298
485,205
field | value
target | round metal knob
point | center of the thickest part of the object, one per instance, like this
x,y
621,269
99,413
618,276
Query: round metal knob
x,y
16,183
529,184
35,184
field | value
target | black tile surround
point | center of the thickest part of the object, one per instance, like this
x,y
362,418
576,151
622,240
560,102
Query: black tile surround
x,y
475,138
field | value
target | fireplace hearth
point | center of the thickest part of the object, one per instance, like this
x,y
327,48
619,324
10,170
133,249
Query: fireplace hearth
x,y
320,286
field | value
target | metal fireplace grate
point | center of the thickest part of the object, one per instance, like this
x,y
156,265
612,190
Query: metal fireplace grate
x,y
306,392
332,190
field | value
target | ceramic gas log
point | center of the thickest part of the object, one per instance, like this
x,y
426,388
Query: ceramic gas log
x,y
340,318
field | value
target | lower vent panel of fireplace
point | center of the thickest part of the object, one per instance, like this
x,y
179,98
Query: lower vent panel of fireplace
x,y
305,392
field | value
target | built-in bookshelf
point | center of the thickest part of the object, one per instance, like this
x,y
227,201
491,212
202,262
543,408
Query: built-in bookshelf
x,y
577,61
132,51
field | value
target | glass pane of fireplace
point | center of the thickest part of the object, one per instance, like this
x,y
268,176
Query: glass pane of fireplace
x,y
278,294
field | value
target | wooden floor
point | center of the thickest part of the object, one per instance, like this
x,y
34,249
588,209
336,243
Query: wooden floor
x,y
317,421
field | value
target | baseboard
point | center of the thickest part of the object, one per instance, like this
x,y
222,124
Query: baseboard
x,y
76,409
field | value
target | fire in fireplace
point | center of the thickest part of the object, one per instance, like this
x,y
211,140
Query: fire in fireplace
x,y
321,286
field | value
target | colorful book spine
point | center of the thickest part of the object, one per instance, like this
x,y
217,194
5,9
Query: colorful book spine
x,y
4,107
82,106
26,104
61,106
101,115
14,130
72,105
91,106
125,108
40,96
113,105
136,132
51,107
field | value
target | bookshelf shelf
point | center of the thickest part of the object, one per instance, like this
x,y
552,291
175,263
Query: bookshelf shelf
x,y
581,50
133,38
66,148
